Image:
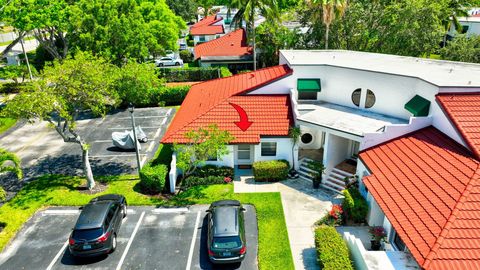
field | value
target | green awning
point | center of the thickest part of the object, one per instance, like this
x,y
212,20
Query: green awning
x,y
418,106
309,85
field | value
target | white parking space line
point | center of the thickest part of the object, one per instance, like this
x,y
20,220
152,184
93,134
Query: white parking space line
x,y
114,155
55,259
101,141
120,263
129,128
60,212
192,245
170,210
144,117
131,211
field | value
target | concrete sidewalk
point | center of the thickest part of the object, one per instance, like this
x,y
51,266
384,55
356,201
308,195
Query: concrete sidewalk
x,y
302,206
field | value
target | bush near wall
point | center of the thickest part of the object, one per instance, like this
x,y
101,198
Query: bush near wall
x,y
189,74
153,178
172,95
354,205
332,251
212,170
270,171
192,181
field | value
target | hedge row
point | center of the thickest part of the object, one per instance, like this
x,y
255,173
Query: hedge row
x,y
354,205
153,178
212,170
189,74
197,181
172,95
332,251
270,171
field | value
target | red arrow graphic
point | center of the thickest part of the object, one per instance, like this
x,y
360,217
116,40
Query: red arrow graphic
x,y
243,124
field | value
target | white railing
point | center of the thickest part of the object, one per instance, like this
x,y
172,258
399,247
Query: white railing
x,y
394,131
365,259
173,173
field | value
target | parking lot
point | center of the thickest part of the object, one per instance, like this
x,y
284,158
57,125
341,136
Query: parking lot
x,y
149,238
43,151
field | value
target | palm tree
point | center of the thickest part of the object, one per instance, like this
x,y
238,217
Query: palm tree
x,y
247,11
331,9
456,8
7,157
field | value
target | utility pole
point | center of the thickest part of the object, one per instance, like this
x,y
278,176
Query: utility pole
x,y
26,58
131,110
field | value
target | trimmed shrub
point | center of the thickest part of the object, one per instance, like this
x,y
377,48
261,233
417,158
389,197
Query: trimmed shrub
x,y
332,251
3,195
8,88
354,205
212,170
225,72
186,56
189,74
172,95
153,178
209,180
270,171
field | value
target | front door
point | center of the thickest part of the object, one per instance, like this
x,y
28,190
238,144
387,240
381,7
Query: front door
x,y
244,153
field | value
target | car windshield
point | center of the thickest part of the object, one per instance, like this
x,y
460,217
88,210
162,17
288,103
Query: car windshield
x,y
226,242
87,234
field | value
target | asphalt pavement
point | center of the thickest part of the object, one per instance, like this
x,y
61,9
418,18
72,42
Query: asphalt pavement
x,y
149,238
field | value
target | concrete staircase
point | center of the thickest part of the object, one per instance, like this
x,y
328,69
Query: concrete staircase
x,y
334,181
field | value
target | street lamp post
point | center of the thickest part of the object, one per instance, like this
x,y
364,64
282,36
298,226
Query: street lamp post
x,y
131,108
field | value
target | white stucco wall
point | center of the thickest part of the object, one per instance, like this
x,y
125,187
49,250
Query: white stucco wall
x,y
336,150
196,38
284,150
317,138
443,123
282,86
226,160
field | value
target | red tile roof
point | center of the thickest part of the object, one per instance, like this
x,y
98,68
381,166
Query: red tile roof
x,y
463,109
428,186
232,44
206,26
209,103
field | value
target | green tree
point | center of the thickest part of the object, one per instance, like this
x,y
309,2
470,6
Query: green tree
x,y
248,11
271,38
46,19
294,133
137,83
206,5
453,10
203,144
118,30
185,9
83,83
462,48
16,73
9,162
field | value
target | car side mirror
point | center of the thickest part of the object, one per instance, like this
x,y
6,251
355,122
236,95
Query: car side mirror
x,y
80,208
208,211
243,209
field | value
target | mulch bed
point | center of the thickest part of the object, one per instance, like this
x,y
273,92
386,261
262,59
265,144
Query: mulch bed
x,y
99,187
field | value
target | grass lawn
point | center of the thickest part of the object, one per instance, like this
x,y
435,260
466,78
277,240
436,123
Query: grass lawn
x,y
6,123
52,190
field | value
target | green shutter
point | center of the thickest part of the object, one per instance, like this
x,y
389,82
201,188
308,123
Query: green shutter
x,y
418,106
309,85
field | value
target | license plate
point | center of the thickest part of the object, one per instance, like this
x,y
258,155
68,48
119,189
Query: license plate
x,y
87,246
227,254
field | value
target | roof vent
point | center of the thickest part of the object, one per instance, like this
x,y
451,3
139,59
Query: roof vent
x,y
231,44
252,75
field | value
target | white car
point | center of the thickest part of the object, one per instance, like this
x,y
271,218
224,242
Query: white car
x,y
168,61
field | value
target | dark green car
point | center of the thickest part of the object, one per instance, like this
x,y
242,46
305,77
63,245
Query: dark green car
x,y
226,241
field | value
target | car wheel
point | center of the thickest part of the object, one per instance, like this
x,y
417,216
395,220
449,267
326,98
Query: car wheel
x,y
160,65
124,210
177,64
114,243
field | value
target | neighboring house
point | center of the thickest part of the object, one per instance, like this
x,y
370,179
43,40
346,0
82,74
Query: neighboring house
x,y
227,15
231,51
471,26
408,128
209,28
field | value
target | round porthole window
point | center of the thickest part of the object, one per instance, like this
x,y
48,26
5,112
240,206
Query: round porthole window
x,y
306,138
370,99
356,96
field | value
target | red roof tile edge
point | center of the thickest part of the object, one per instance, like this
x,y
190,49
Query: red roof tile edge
x,y
432,254
244,91
453,119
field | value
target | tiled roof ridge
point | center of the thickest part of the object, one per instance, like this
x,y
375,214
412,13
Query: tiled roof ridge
x,y
452,118
290,71
451,219
205,19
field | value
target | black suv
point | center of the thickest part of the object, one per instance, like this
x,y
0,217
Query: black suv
x,y
226,241
96,230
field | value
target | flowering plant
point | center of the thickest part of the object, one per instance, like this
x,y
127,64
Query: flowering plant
x,y
378,233
336,212
227,180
